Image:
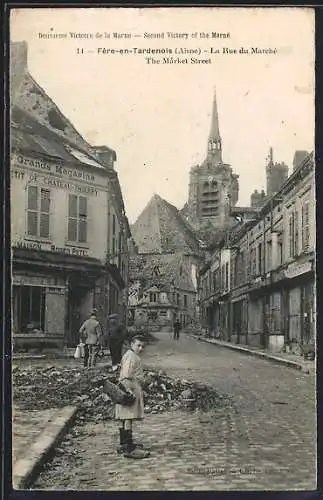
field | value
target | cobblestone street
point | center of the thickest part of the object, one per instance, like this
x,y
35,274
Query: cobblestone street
x,y
266,440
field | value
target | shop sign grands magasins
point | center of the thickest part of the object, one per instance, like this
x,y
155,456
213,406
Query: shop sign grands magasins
x,y
44,166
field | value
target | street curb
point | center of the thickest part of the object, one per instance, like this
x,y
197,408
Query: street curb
x,y
259,354
26,470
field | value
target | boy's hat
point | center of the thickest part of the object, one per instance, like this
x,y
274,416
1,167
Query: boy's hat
x,y
137,336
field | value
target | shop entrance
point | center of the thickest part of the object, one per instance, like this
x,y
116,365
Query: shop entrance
x,y
77,295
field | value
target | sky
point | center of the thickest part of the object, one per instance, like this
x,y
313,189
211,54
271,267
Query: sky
x,y
157,117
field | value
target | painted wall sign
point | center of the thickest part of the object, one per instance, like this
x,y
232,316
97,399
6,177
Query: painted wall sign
x,y
73,173
52,182
18,279
35,245
296,269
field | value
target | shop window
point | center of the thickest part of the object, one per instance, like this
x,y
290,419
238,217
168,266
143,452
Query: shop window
x,y
28,309
38,212
77,218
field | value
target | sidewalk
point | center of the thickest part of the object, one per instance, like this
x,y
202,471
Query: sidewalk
x,y
290,360
35,433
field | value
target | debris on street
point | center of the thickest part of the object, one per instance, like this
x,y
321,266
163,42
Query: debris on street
x,y
53,387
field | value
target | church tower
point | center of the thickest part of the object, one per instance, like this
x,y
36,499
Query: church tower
x,y
213,187
214,144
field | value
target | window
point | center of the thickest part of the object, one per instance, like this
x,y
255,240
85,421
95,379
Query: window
x,y
280,253
214,280
152,297
226,275
177,299
185,300
77,218
293,234
242,269
269,255
38,211
260,257
28,309
119,249
305,227
253,262
113,224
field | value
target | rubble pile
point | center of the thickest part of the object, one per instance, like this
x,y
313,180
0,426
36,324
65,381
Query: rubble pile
x,y
51,387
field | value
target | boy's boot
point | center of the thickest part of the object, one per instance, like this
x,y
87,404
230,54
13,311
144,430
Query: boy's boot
x,y
123,441
137,445
132,451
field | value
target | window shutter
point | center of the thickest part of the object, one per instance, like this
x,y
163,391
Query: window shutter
x,y
32,211
32,223
32,198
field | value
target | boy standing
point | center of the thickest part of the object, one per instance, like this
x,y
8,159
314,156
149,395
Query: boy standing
x,y
132,377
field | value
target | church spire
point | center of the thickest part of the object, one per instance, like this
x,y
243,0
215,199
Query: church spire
x,y
214,140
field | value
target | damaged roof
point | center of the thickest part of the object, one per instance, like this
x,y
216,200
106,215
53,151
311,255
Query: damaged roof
x,y
161,228
161,271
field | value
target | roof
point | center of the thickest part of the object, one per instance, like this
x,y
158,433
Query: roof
x,y
28,134
160,271
28,96
161,228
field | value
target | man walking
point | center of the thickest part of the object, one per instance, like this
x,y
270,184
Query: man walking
x,y
90,333
116,337
177,327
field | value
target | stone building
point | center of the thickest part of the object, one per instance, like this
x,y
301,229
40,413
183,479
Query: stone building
x,y
269,285
213,187
69,230
166,256
161,289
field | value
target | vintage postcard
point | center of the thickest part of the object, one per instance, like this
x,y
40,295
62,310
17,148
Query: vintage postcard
x,y
163,248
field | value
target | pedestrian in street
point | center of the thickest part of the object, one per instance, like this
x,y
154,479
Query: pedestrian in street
x,y
132,377
90,333
116,338
177,327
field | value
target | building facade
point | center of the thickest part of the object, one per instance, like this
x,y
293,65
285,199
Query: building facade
x,y
269,284
161,289
69,232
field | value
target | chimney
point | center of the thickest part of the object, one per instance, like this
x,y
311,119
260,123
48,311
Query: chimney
x,y
18,66
106,155
299,157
